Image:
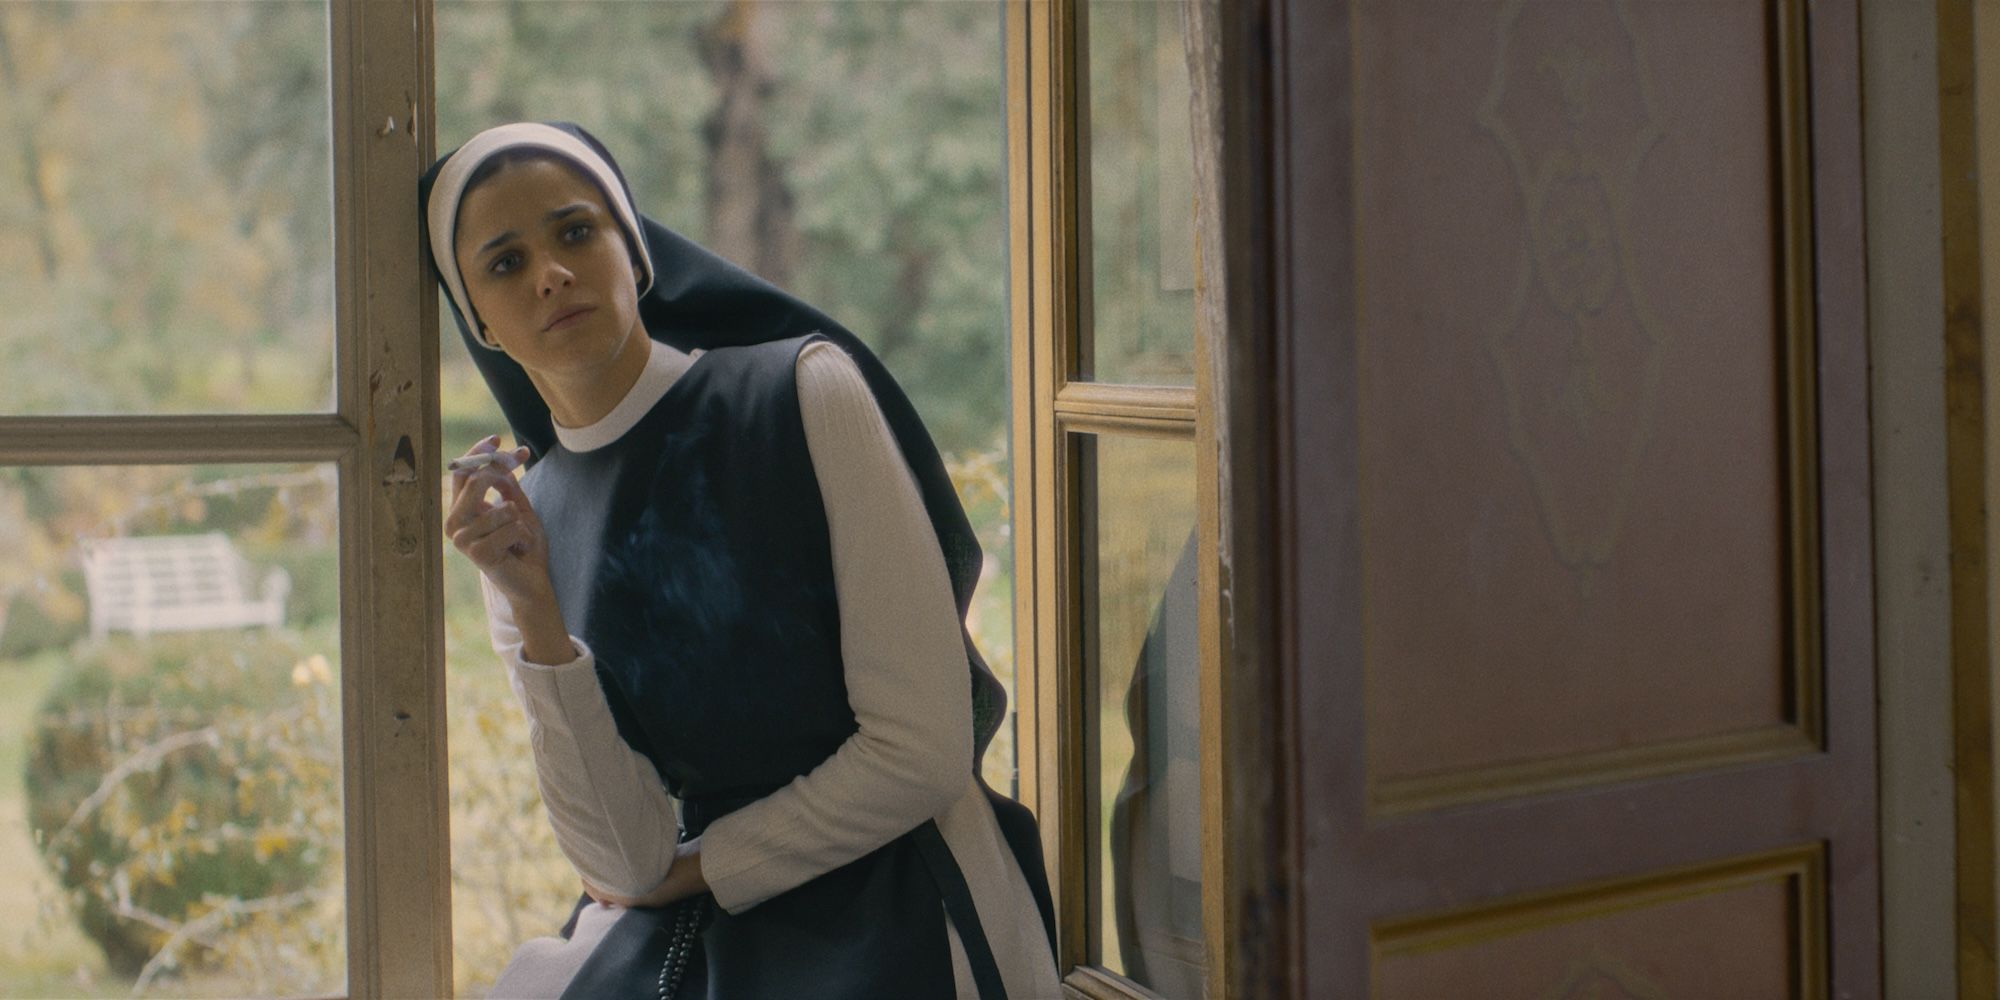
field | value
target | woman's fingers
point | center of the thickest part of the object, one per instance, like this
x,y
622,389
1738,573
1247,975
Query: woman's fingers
x,y
493,519
597,894
486,523
490,549
483,446
492,534
468,504
506,461
470,500
501,517
513,495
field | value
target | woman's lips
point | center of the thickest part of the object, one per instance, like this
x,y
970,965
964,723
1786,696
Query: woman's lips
x,y
568,318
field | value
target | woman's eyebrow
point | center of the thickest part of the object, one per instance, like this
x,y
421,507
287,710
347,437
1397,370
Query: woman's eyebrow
x,y
494,242
553,216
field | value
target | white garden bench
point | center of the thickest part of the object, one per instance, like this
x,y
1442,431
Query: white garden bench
x,y
177,583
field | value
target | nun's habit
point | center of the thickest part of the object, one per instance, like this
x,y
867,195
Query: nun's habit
x,y
709,602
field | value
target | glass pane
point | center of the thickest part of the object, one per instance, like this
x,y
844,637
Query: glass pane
x,y
170,773
165,207
1142,205
879,131
1142,672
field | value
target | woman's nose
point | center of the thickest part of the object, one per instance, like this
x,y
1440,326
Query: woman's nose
x,y
555,276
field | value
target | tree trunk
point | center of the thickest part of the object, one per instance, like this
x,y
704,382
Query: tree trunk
x,y
750,211
31,160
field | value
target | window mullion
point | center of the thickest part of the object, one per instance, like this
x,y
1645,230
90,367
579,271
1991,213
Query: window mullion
x,y
1078,409
386,383
149,440
1157,410
1061,305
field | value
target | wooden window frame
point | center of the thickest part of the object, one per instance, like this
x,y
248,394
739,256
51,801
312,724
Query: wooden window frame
x,y
392,558
382,437
1049,259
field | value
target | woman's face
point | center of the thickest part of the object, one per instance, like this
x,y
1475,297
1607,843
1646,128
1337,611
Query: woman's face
x,y
547,268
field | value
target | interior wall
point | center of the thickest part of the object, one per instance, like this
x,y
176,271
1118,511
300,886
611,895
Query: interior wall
x,y
1912,553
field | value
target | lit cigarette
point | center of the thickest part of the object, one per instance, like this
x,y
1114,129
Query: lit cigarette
x,y
471,462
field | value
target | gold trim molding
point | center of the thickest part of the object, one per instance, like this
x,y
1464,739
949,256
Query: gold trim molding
x,y
1801,868
1423,793
1796,346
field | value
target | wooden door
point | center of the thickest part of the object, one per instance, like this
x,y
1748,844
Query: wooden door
x,y
1571,612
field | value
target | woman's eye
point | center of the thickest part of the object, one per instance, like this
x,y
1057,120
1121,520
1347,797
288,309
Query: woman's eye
x,y
577,232
504,263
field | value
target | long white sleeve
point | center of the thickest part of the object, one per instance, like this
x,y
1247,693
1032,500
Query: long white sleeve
x,y
905,672
612,817
903,656
907,683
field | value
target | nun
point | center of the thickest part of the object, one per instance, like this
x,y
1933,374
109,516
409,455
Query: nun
x,y
729,590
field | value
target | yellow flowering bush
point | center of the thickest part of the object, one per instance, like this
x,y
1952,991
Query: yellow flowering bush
x,y
185,791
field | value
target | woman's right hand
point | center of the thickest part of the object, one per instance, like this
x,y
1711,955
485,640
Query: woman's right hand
x,y
503,539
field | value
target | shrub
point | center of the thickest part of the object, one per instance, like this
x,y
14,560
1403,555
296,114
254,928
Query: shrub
x,y
510,881
51,619
173,780
315,575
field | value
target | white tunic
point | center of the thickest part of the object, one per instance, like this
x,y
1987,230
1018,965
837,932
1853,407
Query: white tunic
x,y
904,665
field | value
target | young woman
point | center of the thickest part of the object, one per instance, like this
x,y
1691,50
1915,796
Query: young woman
x,y
730,593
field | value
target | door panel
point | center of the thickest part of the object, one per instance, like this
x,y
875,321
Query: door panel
x,y
1572,464
1739,929
1569,354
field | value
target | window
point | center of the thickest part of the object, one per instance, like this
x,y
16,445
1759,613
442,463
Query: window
x,y
220,547
1111,123
222,357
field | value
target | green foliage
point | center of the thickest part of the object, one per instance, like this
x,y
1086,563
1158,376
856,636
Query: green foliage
x,y
173,780
896,161
50,619
164,225
899,165
509,880
1141,197
315,576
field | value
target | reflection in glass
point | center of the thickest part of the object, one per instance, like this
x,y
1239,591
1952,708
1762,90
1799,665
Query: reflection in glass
x,y
1142,201
1143,723
170,800
853,153
165,207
